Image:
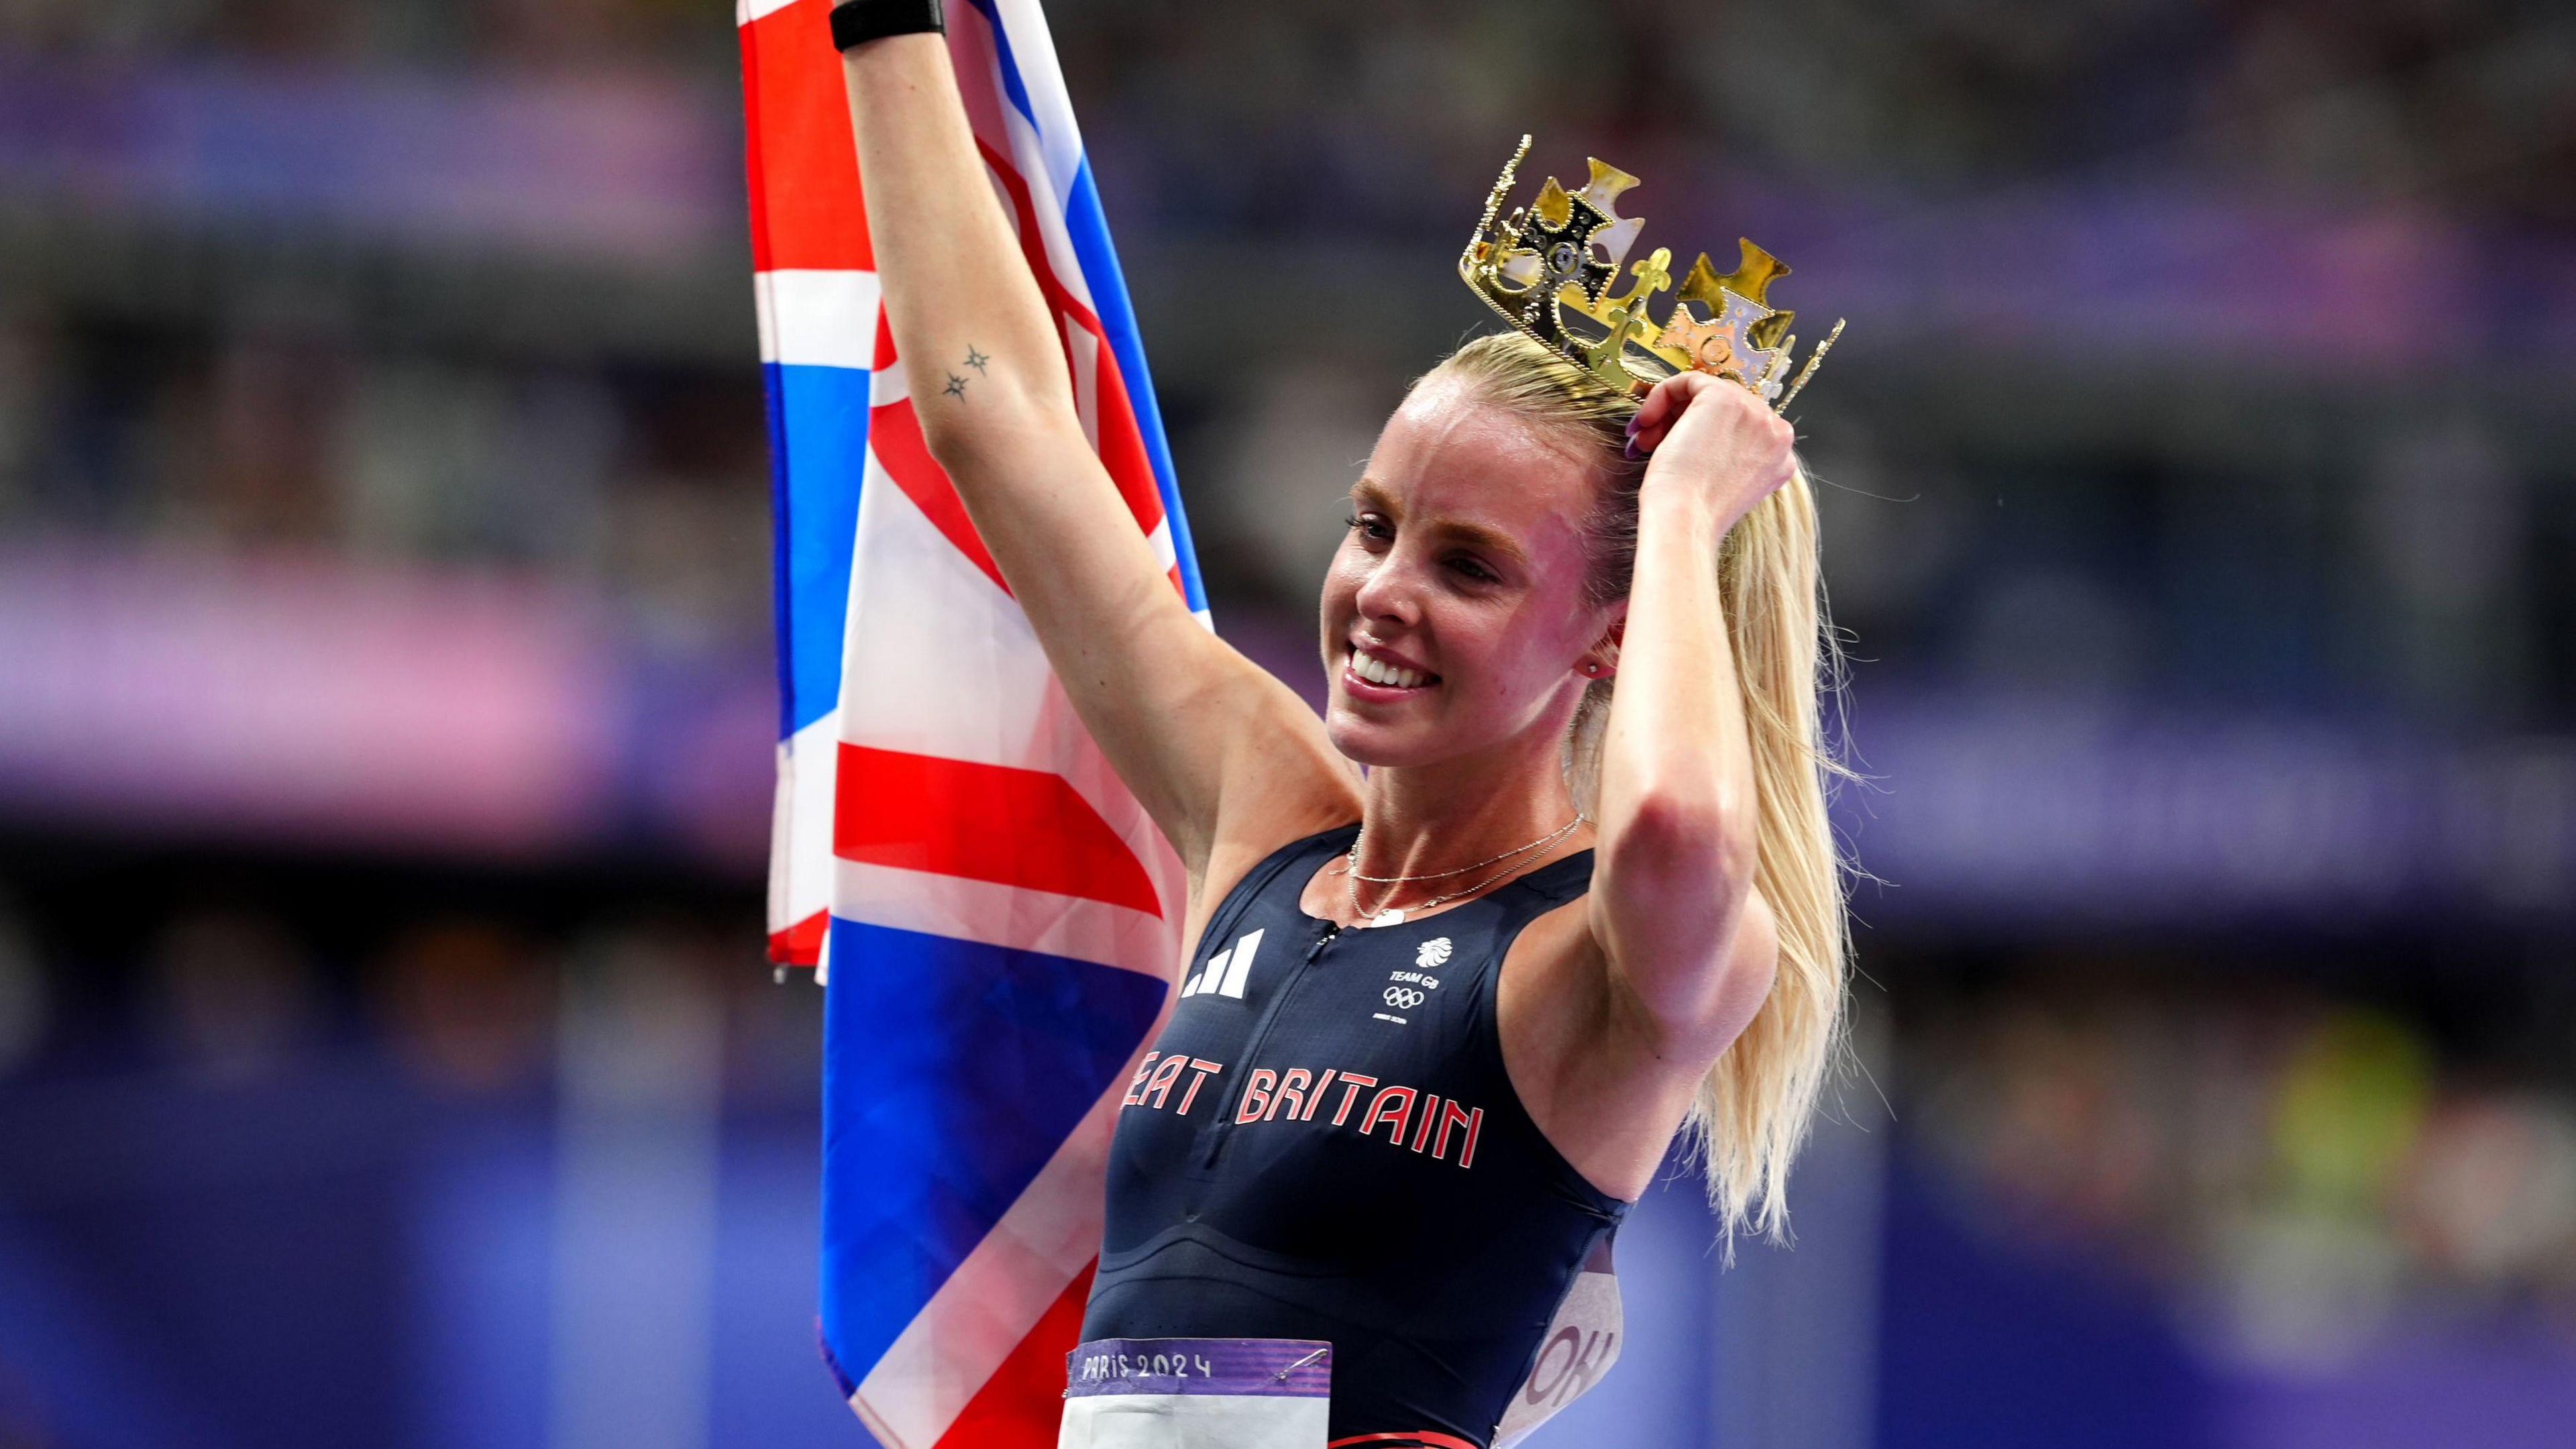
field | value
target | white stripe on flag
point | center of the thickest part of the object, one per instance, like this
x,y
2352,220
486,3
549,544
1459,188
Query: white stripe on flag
x,y
1084,349
817,318
1042,78
887,385
1046,163
1016,917
936,660
1047,198
782,863
801,831
747,11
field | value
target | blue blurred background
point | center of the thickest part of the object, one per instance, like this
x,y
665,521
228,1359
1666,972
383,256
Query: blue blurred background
x,y
386,1057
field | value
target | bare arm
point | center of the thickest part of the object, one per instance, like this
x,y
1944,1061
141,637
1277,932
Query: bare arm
x,y
1170,704
1673,905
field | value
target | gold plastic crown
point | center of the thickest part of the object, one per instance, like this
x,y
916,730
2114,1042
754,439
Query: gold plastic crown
x,y
1552,267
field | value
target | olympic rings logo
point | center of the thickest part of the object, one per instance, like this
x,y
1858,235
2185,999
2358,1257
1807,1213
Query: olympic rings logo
x,y
1403,998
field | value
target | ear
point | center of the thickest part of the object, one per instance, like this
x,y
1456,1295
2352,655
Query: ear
x,y
1601,661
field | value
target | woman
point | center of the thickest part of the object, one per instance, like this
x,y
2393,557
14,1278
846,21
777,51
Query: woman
x,y
1575,638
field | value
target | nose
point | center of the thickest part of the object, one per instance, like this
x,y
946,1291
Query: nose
x,y
1392,592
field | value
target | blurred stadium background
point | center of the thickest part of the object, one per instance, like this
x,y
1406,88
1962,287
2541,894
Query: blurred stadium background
x,y
385,698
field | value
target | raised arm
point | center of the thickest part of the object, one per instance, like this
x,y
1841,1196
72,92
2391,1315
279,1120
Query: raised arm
x,y
1170,704
1672,901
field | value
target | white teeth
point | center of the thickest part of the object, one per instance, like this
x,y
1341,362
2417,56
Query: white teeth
x,y
1378,671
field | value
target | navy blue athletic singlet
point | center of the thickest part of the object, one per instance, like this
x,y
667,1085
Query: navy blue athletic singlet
x,y
1323,1144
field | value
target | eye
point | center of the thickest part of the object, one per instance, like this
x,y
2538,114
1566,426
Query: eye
x,y
1474,570
1369,527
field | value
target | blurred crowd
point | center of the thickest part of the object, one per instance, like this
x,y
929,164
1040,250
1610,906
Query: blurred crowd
x,y
588,34
2408,565
234,988
1259,107
2430,101
2302,1168
647,484
2322,539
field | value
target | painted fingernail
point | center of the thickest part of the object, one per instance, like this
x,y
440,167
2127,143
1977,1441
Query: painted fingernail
x,y
1634,453
1633,420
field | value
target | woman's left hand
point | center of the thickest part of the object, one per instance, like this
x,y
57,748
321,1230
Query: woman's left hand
x,y
1715,437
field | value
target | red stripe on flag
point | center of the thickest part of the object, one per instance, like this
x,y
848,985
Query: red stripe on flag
x,y
1014,827
1122,446
1022,1405
894,435
885,357
753,169
1033,241
806,209
800,944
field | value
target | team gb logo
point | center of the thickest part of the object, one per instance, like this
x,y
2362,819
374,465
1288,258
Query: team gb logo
x,y
1434,953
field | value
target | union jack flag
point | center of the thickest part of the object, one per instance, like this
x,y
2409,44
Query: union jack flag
x,y
998,917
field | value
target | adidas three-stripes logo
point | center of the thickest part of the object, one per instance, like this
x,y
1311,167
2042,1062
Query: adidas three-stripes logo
x,y
1225,971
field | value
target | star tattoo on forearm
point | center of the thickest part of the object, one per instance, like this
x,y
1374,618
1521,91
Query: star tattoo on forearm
x,y
975,358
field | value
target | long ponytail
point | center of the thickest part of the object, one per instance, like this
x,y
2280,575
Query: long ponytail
x,y
1753,1109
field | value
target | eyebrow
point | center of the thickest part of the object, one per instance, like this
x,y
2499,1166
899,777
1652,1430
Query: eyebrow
x,y
1368,492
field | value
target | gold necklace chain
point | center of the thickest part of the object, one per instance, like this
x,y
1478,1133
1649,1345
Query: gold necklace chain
x,y
1553,836
1389,916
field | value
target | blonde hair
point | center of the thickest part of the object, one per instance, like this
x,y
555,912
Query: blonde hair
x,y
1752,1111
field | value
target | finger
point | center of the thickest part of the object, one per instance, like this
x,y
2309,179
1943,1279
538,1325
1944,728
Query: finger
x,y
1701,392
1663,407
1648,415
1641,436
1664,401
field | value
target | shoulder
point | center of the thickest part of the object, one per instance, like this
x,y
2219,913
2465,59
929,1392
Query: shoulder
x,y
1265,812
1279,779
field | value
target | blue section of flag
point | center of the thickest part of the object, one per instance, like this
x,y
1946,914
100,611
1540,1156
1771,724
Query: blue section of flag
x,y
952,1071
1088,227
818,448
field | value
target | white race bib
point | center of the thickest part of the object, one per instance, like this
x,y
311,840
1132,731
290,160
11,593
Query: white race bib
x,y
1197,1393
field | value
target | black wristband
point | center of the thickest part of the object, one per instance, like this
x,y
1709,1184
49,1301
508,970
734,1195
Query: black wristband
x,y
856,22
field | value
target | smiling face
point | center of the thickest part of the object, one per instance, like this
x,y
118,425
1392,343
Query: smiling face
x,y
1454,617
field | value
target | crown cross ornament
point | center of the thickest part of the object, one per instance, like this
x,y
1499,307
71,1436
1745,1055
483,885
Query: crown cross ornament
x,y
1550,269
